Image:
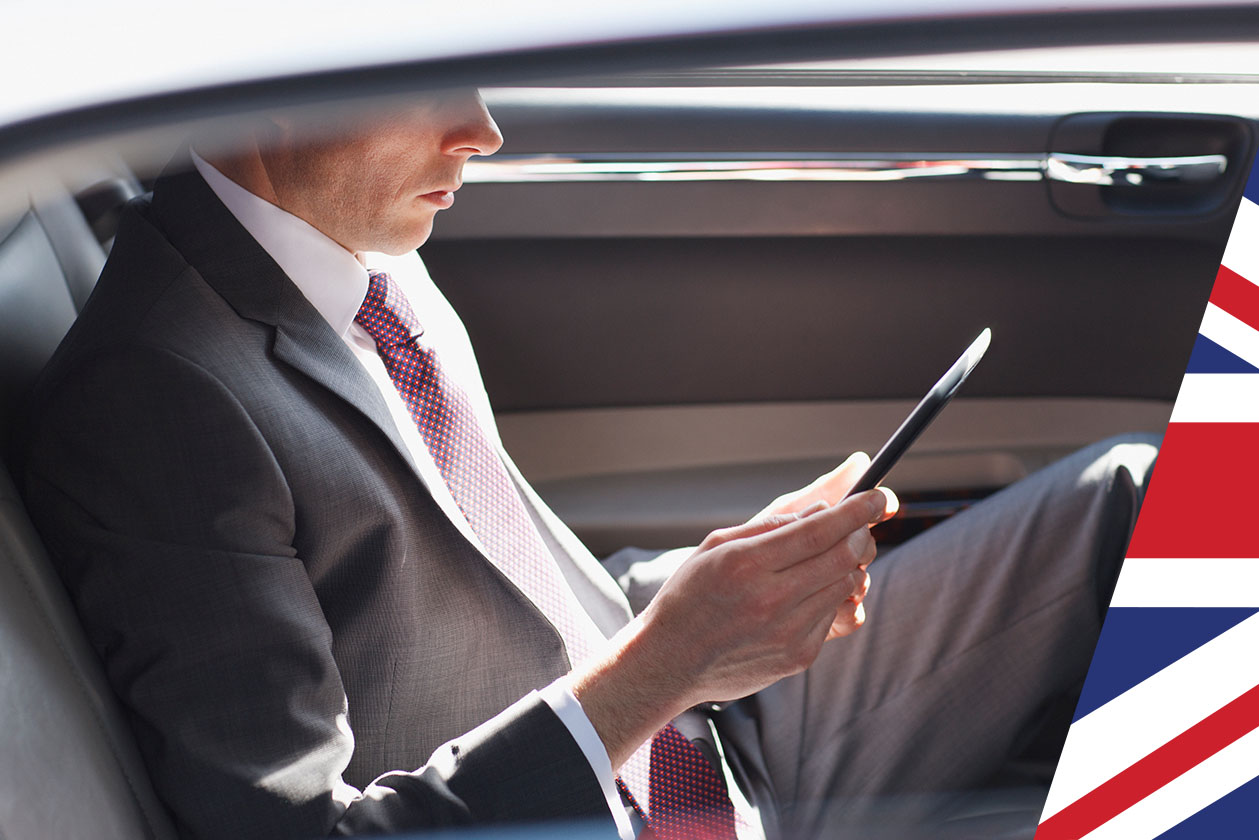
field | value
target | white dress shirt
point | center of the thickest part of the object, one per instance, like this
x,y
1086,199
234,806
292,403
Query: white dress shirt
x,y
335,282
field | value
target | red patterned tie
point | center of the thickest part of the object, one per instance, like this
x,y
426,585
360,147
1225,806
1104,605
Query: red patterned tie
x,y
686,796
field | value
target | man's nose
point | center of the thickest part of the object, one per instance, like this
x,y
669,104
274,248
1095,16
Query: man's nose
x,y
474,132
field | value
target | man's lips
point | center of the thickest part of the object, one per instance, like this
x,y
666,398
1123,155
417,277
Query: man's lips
x,y
442,198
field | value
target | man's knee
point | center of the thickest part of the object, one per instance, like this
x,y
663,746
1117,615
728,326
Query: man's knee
x,y
1126,460
1115,473
1113,476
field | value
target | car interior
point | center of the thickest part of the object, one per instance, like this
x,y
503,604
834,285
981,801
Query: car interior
x,y
762,273
694,289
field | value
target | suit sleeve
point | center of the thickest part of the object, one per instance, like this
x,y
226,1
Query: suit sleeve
x,y
173,528
640,572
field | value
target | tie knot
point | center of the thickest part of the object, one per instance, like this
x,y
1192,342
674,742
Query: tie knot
x,y
385,314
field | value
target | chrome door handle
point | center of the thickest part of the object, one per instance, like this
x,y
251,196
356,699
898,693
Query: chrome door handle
x,y
1112,170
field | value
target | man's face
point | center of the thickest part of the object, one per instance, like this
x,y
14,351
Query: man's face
x,y
378,185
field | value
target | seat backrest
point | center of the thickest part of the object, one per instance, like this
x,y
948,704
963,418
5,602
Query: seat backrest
x,y
69,767
36,306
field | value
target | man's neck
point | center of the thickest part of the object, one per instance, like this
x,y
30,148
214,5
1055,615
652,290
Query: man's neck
x,y
247,169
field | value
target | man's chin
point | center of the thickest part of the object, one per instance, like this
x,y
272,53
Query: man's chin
x,y
405,243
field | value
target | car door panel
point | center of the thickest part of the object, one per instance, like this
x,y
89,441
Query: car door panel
x,y
666,356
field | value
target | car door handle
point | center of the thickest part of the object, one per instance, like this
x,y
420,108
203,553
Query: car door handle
x,y
1117,170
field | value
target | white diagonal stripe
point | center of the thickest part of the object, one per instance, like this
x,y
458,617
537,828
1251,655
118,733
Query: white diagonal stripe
x,y
1145,717
1235,336
1217,398
1241,254
1179,582
1186,795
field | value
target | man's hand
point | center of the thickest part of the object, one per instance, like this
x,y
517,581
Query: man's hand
x,y
752,605
830,489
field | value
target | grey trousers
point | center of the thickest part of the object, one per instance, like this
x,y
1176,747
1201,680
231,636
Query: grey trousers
x,y
973,629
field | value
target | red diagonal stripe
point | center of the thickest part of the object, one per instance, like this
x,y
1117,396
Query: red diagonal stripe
x,y
1237,296
1188,749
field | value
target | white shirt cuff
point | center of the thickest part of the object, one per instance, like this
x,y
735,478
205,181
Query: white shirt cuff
x,y
560,698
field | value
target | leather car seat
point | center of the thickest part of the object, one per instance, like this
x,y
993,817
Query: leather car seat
x,y
69,767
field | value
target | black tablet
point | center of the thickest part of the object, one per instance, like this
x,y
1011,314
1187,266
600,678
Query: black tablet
x,y
922,415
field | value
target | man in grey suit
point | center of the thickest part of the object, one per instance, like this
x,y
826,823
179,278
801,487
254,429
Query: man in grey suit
x,y
313,636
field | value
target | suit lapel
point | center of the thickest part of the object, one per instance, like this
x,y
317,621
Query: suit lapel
x,y
332,365
236,266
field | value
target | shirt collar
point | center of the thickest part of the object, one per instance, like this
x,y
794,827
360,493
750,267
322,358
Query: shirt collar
x,y
328,275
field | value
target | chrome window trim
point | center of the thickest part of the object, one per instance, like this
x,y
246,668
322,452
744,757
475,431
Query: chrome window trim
x,y
1096,170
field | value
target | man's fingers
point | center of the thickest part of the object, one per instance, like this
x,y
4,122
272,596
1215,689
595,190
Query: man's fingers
x,y
848,618
892,504
846,559
760,525
863,585
832,487
831,614
829,488
819,532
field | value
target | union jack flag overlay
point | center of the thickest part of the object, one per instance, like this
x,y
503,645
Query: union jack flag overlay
x,y
1165,742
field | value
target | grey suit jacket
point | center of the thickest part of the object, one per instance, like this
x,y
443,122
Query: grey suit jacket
x,y
293,624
